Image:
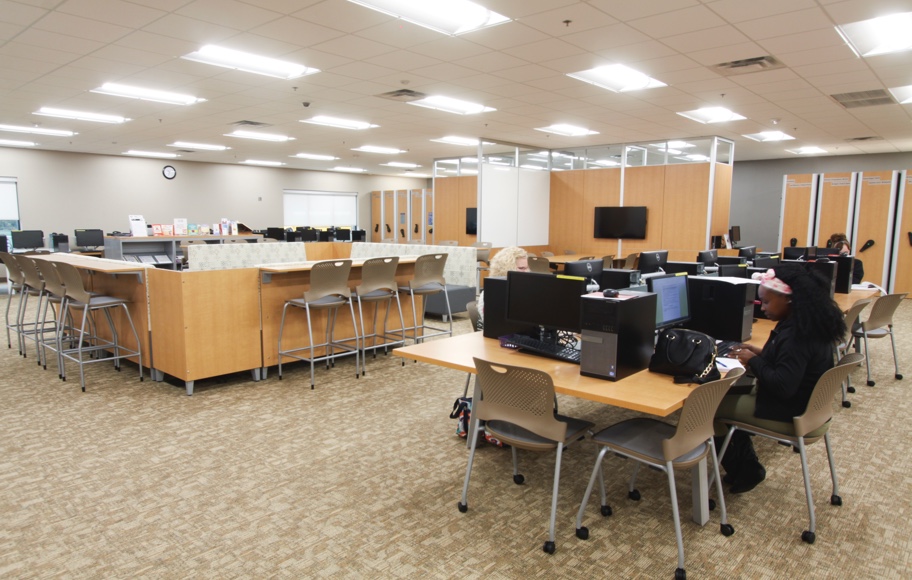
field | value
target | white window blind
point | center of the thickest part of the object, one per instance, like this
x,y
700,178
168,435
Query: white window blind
x,y
320,208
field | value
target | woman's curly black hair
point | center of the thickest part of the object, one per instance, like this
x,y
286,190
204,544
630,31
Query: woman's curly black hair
x,y
816,314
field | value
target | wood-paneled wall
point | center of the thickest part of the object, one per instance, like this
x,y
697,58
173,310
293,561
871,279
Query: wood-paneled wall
x,y
874,204
834,217
797,207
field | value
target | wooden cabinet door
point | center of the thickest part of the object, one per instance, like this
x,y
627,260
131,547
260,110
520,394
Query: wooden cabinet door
x,y
835,206
799,194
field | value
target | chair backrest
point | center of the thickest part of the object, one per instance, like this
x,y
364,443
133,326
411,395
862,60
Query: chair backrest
x,y
631,262
30,272
851,317
820,406
483,255
474,317
429,269
539,265
882,311
518,395
378,274
608,261
483,245
695,425
14,272
569,252
329,278
72,281
52,281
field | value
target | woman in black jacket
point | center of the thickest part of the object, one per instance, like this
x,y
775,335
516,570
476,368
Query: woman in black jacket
x,y
798,351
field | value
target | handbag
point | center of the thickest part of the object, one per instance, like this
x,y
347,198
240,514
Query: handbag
x,y
688,355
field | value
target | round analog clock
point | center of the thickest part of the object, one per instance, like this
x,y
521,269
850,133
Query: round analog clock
x,y
169,172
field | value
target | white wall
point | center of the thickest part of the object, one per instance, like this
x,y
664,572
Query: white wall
x,y
60,191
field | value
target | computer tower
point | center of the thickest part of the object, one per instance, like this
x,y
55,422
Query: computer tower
x,y
722,309
495,311
58,240
4,244
690,268
845,266
618,278
828,270
618,335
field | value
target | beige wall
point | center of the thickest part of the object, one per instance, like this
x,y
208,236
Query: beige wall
x,y
61,191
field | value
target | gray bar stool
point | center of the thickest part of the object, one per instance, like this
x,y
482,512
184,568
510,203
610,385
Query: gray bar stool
x,y
32,285
54,293
16,281
328,291
428,279
378,284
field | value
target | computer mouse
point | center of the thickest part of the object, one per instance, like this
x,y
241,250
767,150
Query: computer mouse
x,y
608,293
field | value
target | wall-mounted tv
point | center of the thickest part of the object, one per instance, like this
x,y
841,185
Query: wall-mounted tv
x,y
627,222
471,221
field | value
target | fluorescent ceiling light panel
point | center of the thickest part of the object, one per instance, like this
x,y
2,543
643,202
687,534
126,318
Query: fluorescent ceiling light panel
x,y
376,149
264,163
469,159
14,143
454,140
882,35
712,115
37,131
316,157
695,157
451,17
260,136
146,94
204,146
407,174
151,154
338,122
80,115
450,105
903,94
606,162
401,165
529,166
808,150
349,169
567,130
617,78
253,63
765,136
672,145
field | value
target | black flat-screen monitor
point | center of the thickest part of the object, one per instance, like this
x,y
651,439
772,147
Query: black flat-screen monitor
x,y
544,300
748,252
765,262
27,239
726,260
627,222
733,270
276,234
652,260
793,253
358,235
343,235
89,238
672,304
471,221
827,251
584,269
845,266
734,234
309,235
323,235
708,257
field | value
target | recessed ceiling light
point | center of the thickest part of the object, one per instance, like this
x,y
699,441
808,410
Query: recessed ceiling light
x,y
408,174
338,122
260,136
530,166
451,105
147,94
450,17
765,136
672,145
316,157
14,143
453,140
204,146
617,78
401,165
264,163
79,115
606,162
37,131
151,154
903,94
349,169
882,35
375,149
567,130
712,115
245,61
807,150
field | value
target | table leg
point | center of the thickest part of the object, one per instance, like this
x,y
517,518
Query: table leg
x,y
700,493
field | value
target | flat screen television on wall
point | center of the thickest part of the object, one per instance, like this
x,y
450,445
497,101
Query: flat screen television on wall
x,y
621,222
471,221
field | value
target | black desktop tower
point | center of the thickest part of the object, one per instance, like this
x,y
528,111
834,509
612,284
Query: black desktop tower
x,y
618,278
689,268
723,310
618,335
845,266
4,244
495,311
828,270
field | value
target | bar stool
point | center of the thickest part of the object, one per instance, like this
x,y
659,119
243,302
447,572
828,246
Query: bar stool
x,y
54,293
32,285
378,284
76,296
428,279
16,280
328,291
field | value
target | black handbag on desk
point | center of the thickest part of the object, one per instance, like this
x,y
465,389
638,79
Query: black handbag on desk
x,y
688,355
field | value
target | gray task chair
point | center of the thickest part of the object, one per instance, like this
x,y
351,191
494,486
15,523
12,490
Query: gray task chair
x,y
878,325
16,281
541,265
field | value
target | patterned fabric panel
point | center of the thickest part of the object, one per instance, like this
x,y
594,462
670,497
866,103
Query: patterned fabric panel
x,y
229,256
460,267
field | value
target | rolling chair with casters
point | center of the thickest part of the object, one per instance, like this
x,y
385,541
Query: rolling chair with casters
x,y
805,429
842,348
878,325
665,447
630,263
517,405
428,279
378,285
541,265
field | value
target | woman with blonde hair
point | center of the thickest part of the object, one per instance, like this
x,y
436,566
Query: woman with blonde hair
x,y
510,259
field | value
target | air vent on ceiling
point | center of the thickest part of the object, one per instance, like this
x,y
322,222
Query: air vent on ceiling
x,y
864,99
868,138
250,124
747,65
402,95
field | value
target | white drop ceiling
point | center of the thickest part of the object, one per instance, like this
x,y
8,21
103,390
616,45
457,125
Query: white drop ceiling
x,y
53,53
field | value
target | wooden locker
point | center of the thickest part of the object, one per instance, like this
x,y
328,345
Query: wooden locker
x,y
799,194
874,220
901,270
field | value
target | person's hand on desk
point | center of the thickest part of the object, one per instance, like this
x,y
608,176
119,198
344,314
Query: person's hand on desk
x,y
744,352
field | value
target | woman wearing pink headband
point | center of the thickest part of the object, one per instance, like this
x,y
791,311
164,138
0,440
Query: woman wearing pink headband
x,y
799,350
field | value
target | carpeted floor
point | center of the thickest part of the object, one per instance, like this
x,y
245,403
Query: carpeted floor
x,y
360,478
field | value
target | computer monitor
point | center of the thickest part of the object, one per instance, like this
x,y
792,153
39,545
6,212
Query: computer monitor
x,y
652,260
27,239
672,306
309,235
734,234
765,262
544,300
589,269
323,235
708,257
733,260
89,238
733,270
343,235
832,251
276,233
793,253
748,252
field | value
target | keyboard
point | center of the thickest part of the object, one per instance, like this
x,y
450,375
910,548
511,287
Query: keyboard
x,y
723,347
548,349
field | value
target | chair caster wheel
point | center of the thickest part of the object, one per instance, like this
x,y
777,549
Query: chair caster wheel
x,y
835,500
870,383
847,404
518,479
712,504
850,389
680,574
808,537
548,547
634,495
898,376
582,533
606,510
463,507
727,530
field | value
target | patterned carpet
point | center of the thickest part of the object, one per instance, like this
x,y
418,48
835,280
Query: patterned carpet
x,y
360,478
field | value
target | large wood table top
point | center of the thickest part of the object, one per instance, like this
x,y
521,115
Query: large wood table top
x,y
94,264
308,265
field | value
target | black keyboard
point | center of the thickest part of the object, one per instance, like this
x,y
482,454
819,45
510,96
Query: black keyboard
x,y
548,349
723,347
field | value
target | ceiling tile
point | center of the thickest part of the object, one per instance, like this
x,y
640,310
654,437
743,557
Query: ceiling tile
x,y
797,22
296,31
606,38
678,22
729,53
79,27
739,11
632,10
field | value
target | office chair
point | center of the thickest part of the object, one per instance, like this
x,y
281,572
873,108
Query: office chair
x,y
16,281
665,447
542,265
378,284
631,262
547,254
475,319
806,429
517,405
842,348
608,261
878,325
